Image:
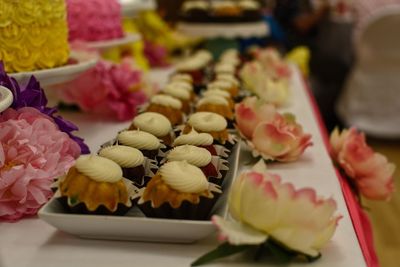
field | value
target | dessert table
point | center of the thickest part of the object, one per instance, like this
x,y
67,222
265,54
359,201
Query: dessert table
x,y
32,242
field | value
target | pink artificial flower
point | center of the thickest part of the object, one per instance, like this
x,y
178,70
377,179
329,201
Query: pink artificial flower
x,y
371,171
250,112
156,54
33,151
305,224
273,63
110,90
282,139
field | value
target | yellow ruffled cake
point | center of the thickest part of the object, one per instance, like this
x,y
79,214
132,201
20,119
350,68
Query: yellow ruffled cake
x,y
33,34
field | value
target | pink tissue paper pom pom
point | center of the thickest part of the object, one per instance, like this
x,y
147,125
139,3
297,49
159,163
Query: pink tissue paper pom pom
x,y
110,90
33,152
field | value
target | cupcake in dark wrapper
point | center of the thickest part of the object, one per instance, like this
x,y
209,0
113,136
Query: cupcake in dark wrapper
x,y
156,124
180,77
180,93
197,156
130,159
204,140
179,190
168,106
216,104
147,143
95,185
208,122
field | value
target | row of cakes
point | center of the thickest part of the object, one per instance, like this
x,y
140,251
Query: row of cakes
x,y
218,11
179,169
54,23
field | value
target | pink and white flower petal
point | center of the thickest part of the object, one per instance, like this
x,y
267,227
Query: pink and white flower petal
x,y
237,233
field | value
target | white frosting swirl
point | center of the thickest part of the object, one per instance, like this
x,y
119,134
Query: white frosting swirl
x,y
230,61
154,123
213,99
139,139
228,77
205,55
194,138
191,64
99,169
124,156
194,155
181,85
178,77
167,101
230,53
177,92
207,122
217,92
224,68
220,84
183,177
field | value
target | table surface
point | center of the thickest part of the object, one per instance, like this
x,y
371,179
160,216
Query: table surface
x,y
32,242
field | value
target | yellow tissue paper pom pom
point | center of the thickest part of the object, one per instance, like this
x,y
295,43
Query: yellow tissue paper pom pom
x,y
300,56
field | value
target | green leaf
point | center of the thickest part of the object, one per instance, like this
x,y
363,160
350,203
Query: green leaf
x,y
224,250
279,252
285,255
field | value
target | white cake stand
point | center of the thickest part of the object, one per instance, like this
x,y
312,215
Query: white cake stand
x,y
6,98
62,74
225,30
108,44
131,8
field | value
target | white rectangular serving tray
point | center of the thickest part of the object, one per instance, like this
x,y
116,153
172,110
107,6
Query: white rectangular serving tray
x,y
134,226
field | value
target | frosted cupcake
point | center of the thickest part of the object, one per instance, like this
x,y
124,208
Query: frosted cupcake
x,y
182,85
180,77
147,143
225,85
197,156
208,122
156,124
168,106
194,138
220,93
130,159
95,185
225,68
216,104
179,93
228,77
179,190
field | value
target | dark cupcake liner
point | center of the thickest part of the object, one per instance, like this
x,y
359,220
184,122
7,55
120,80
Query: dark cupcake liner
x,y
150,154
141,175
187,210
229,144
222,167
81,208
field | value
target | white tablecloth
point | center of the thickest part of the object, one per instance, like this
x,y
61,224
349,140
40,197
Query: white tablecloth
x,y
32,242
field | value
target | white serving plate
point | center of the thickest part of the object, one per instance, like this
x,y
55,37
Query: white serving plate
x,y
134,226
62,74
6,98
108,44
